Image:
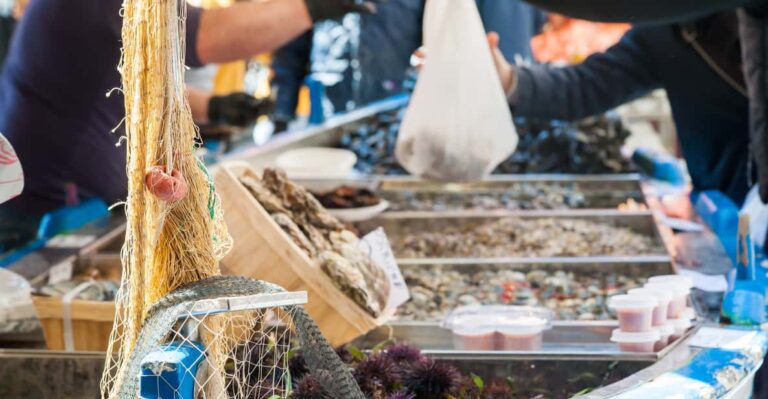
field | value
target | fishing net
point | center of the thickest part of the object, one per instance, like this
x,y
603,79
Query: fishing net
x,y
168,243
247,327
181,330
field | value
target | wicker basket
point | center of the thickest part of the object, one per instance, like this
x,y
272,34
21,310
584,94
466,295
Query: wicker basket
x,y
91,323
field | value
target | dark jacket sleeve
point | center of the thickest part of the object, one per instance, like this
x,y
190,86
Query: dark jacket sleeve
x,y
753,30
603,81
290,64
641,10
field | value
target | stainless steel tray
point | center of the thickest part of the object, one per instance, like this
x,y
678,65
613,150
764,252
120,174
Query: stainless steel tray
x,y
396,225
566,340
585,191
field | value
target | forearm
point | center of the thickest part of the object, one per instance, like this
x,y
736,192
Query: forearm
x,y
248,28
198,102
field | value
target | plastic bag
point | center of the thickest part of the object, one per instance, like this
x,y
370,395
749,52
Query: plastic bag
x,y
458,125
758,216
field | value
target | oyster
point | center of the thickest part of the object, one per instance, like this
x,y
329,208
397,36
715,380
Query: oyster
x,y
323,238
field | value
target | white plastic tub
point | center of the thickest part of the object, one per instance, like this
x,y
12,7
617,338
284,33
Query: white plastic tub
x,y
661,310
637,341
635,312
665,335
498,327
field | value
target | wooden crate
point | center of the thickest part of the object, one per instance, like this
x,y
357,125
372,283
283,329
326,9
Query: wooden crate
x,y
263,251
91,323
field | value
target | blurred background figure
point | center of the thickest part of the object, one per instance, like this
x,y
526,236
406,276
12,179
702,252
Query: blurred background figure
x,y
361,59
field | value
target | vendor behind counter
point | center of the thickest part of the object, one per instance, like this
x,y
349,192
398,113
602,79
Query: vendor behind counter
x,y
700,66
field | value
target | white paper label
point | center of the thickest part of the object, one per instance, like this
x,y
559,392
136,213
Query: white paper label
x,y
706,282
60,273
376,244
712,337
70,241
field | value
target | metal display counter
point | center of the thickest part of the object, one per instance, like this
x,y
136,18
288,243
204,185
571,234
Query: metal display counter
x,y
575,354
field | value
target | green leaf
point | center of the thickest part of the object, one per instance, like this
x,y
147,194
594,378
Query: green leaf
x,y
381,345
477,380
356,353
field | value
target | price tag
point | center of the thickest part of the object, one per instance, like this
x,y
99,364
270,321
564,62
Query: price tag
x,y
376,244
70,241
60,273
722,338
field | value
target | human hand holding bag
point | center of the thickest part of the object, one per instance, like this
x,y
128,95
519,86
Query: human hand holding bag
x,y
458,125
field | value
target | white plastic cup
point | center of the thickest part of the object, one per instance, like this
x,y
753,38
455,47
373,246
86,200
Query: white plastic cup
x,y
679,290
681,326
661,310
635,341
635,312
672,278
523,334
665,333
473,334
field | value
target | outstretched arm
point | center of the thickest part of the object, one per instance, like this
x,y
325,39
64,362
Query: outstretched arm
x,y
248,28
602,82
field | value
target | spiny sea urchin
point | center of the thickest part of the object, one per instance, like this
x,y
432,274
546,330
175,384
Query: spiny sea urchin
x,y
401,395
404,354
310,387
377,376
428,379
297,365
498,390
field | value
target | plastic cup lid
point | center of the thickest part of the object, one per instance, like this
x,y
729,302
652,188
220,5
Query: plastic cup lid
x,y
622,337
633,301
522,325
665,330
662,295
673,278
677,289
482,319
472,324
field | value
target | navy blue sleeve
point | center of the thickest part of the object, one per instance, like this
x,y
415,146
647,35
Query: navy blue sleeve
x,y
290,64
641,10
603,81
193,27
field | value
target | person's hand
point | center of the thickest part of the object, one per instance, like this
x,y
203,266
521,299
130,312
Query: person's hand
x,y
506,71
321,10
237,109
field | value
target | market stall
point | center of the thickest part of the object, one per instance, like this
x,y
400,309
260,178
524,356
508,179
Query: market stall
x,y
564,244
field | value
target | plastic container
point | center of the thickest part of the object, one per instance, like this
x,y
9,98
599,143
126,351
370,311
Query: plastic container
x,y
665,333
680,326
664,297
679,290
523,334
498,327
634,341
635,312
672,278
317,162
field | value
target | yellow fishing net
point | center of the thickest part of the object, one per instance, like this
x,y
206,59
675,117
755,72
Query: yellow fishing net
x,y
167,244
